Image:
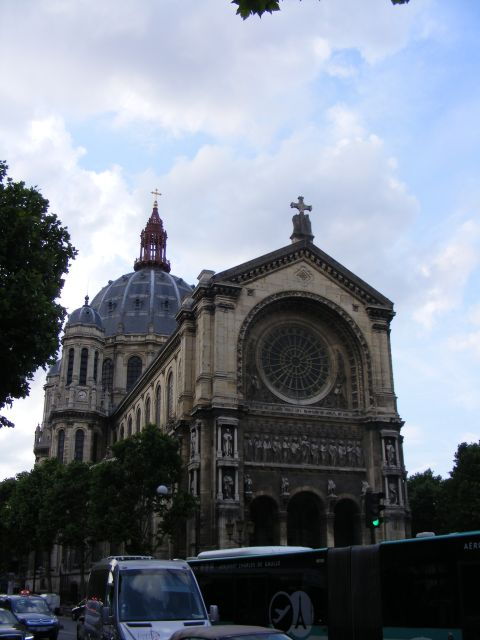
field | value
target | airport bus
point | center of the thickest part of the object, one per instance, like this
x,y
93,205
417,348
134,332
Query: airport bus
x,y
424,588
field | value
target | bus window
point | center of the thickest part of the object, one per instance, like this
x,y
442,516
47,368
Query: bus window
x,y
419,592
469,599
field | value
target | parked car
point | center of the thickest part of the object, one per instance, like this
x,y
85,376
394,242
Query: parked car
x,y
11,628
53,601
78,610
34,613
229,632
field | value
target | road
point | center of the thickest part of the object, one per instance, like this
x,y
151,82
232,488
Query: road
x,y
69,631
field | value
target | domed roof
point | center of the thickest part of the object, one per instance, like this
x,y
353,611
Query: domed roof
x,y
145,301
85,315
54,369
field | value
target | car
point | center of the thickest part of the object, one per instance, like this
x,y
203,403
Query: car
x,y
229,632
33,612
78,609
11,628
53,601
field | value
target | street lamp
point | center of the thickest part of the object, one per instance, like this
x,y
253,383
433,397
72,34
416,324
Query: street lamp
x,y
164,491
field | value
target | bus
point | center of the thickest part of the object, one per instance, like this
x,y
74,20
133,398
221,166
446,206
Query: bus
x,y
424,588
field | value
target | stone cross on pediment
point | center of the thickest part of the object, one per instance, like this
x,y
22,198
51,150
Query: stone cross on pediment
x,y
300,205
302,228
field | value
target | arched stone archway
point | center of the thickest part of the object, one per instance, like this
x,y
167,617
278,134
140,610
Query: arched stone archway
x,y
346,524
264,515
306,521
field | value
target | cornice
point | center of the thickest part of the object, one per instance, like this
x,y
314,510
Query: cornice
x,y
212,289
304,250
70,413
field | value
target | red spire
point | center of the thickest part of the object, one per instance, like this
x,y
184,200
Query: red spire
x,y
153,242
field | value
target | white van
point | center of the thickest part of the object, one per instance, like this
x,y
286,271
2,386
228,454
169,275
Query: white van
x,y
140,598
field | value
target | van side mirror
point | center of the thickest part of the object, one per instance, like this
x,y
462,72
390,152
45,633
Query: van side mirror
x,y
213,613
107,617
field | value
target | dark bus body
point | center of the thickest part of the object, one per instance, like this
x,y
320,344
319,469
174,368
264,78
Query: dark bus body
x,y
420,588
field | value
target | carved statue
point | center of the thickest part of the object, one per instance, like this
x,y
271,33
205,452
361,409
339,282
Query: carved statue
x,y
227,443
365,487
331,488
390,452
277,449
227,487
332,450
393,493
193,442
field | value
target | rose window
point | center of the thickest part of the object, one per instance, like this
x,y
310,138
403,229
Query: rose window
x,y
294,362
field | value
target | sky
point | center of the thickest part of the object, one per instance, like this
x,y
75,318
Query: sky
x,y
367,109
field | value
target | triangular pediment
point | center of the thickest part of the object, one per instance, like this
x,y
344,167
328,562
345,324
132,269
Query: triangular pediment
x,y
301,252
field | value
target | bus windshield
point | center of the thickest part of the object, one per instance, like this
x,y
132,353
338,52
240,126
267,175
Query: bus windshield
x,y
158,594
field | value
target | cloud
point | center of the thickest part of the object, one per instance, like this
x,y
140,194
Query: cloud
x,y
442,277
187,66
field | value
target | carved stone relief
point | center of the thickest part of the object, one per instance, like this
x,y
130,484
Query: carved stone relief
x,y
303,450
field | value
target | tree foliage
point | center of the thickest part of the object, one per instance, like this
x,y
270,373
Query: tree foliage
x,y
247,8
427,496
35,252
463,488
35,512
79,504
73,498
124,492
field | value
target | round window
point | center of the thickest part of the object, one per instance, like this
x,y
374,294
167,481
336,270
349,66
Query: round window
x,y
294,362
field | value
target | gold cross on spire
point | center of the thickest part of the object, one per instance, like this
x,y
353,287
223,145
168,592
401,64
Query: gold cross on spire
x,y
155,193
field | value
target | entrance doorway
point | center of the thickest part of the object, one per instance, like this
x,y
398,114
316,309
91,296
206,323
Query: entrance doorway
x,y
305,521
264,515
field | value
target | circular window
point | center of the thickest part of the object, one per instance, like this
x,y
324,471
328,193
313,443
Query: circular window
x,y
294,362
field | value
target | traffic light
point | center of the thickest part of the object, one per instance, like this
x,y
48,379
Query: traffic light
x,y
373,509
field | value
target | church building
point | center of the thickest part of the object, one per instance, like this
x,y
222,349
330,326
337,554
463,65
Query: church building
x,y
275,375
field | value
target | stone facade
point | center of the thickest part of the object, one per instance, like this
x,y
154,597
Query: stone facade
x,y
277,380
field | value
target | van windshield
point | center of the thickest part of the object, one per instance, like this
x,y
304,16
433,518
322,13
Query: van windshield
x,y
159,594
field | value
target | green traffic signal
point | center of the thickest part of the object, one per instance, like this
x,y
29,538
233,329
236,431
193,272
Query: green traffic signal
x,y
373,508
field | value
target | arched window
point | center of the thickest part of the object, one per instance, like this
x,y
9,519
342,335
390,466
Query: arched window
x,y
122,432
79,440
95,366
71,358
139,418
107,375
95,447
158,405
83,366
60,445
129,427
147,411
134,371
170,407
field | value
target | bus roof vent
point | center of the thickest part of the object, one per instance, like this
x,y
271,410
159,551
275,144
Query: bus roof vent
x,y
248,551
425,534
123,558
